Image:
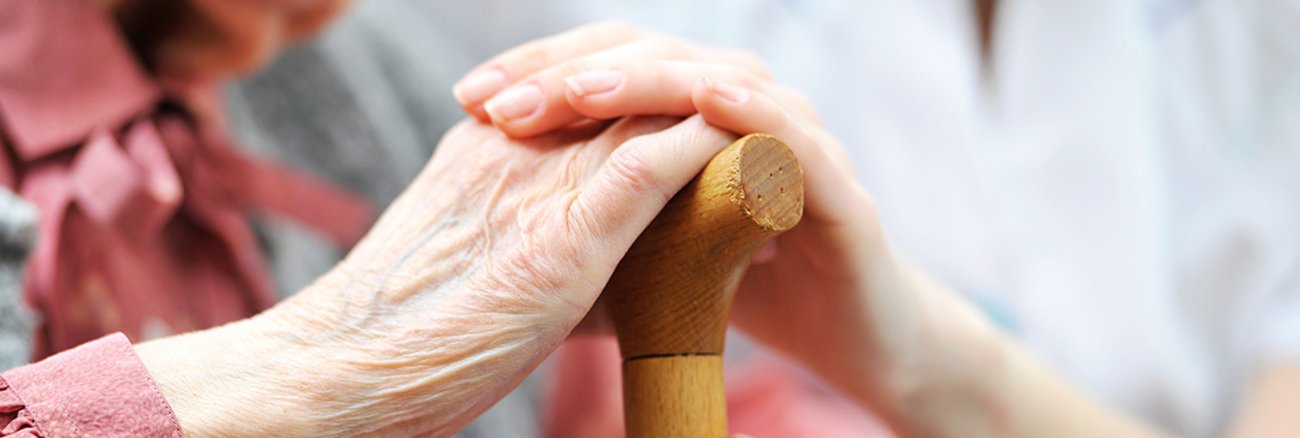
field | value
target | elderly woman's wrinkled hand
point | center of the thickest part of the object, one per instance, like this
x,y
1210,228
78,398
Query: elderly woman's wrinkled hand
x,y
473,276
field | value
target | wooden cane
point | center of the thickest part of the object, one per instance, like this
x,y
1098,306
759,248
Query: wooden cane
x,y
671,294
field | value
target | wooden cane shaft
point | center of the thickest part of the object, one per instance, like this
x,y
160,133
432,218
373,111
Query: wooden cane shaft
x,y
674,396
671,294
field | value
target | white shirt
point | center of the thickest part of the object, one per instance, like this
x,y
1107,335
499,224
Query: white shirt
x,y
1122,192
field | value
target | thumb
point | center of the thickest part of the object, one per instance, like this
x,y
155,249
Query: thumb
x,y
642,174
634,184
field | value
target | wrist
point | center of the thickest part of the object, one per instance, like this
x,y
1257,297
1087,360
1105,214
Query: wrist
x,y
949,382
904,346
976,382
237,380
409,368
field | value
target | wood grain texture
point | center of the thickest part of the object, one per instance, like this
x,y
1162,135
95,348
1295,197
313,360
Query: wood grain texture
x,y
675,397
671,294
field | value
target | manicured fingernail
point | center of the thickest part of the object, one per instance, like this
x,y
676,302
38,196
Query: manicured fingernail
x,y
727,91
515,103
595,82
479,86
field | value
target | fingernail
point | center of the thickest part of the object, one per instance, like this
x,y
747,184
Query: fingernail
x,y
515,103
479,86
727,91
595,82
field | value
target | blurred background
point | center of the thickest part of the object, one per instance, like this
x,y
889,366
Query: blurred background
x,y
1115,183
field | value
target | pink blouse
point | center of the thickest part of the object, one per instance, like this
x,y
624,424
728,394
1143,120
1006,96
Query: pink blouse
x,y
142,230
97,389
142,197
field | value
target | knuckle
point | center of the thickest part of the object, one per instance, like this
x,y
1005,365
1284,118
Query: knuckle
x,y
664,76
611,28
677,45
589,220
578,218
665,47
536,54
631,170
800,98
462,128
572,68
755,63
744,77
800,103
601,110
702,133
630,128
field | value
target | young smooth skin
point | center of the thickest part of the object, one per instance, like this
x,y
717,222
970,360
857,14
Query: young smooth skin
x,y
476,273
879,330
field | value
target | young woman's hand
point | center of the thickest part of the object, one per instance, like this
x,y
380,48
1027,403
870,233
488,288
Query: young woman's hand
x,y
827,292
830,293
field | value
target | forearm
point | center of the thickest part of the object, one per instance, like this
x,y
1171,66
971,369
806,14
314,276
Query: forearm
x,y
1034,401
964,378
316,365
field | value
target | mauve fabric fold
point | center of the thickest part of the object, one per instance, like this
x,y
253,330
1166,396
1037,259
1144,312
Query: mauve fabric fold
x,y
142,197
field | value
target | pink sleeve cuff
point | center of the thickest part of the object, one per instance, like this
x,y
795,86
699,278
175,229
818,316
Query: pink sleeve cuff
x,y
97,389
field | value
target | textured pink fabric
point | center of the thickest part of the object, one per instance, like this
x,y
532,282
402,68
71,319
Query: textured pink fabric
x,y
99,389
142,198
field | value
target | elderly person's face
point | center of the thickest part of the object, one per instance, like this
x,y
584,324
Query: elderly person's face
x,y
209,39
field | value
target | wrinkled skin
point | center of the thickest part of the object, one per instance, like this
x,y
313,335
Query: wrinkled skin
x,y
827,292
830,293
486,263
476,273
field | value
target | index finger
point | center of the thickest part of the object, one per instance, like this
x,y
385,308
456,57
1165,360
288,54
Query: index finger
x,y
485,80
